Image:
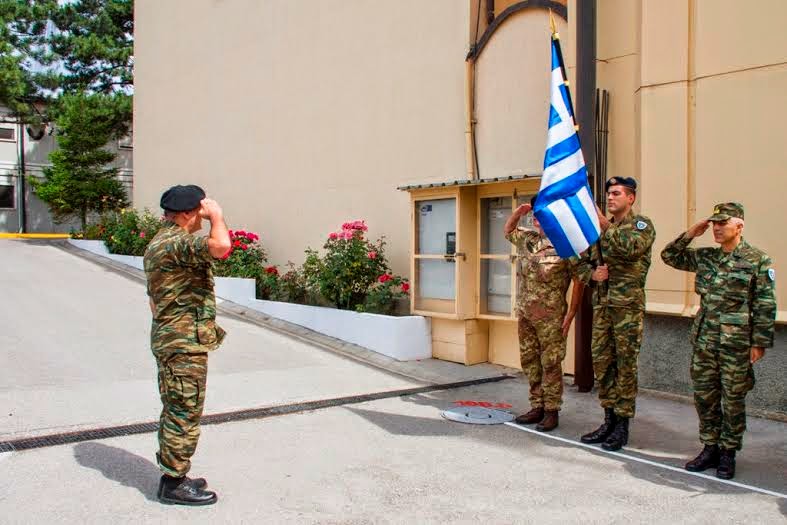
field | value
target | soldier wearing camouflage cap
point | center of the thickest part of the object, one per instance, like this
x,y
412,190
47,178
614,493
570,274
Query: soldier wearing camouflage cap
x,y
544,317
618,309
180,285
732,329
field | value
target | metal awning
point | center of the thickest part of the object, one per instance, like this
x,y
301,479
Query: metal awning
x,y
467,182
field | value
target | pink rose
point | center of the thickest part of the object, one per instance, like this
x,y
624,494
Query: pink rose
x,y
141,235
333,236
372,255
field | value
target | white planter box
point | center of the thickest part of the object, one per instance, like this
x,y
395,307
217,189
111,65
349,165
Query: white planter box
x,y
402,338
99,248
239,291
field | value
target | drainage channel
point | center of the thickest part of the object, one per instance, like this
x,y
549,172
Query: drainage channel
x,y
52,440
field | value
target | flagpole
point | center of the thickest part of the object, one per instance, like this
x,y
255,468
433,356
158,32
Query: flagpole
x,y
556,38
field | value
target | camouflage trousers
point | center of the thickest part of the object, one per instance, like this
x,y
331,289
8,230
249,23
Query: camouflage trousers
x,y
617,335
181,382
722,377
541,352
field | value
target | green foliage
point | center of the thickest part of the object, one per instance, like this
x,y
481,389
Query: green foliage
x,y
348,271
22,28
245,259
127,232
78,182
384,294
49,48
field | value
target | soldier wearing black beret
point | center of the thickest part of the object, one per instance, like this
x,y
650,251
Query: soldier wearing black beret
x,y
184,330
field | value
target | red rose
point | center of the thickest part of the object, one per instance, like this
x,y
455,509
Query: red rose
x,y
405,287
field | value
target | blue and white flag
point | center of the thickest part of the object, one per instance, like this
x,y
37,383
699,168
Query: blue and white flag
x,y
565,206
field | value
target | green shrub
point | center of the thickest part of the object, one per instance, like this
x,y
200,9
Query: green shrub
x,y
384,294
127,232
246,259
351,269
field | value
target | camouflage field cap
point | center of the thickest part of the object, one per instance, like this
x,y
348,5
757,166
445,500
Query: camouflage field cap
x,y
726,210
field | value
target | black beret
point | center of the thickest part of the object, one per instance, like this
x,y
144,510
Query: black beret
x,y
182,198
628,182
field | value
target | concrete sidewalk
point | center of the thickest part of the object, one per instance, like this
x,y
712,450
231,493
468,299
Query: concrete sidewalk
x,y
75,355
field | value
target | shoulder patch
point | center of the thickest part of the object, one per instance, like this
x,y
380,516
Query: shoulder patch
x,y
771,274
641,225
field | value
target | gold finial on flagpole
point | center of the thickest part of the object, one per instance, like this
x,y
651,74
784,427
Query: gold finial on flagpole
x,y
552,25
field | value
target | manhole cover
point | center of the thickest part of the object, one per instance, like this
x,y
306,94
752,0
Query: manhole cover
x,y
477,415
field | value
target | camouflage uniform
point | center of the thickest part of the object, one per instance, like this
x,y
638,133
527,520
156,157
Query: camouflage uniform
x,y
184,329
737,311
541,307
619,310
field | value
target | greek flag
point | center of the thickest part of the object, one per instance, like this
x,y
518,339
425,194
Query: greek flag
x,y
565,206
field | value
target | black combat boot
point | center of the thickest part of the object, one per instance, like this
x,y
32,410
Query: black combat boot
x,y
197,483
182,491
726,468
708,458
549,422
619,436
602,433
534,416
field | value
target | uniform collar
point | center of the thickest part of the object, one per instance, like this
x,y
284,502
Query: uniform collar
x,y
627,218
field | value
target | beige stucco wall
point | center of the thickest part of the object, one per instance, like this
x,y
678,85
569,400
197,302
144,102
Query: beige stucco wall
x,y
697,90
298,116
512,95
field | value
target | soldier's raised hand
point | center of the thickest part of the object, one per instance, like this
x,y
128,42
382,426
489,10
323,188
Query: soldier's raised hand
x,y
210,210
523,209
698,229
603,222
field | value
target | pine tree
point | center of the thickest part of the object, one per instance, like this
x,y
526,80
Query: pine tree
x,y
79,182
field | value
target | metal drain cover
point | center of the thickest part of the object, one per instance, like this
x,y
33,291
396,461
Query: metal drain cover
x,y
477,415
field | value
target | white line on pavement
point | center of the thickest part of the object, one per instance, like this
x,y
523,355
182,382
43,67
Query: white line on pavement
x,y
648,462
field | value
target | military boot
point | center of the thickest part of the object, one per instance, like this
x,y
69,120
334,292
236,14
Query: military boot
x,y
619,436
708,458
197,483
549,422
601,433
534,416
726,468
182,491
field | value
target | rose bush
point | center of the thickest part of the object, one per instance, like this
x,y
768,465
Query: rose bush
x,y
351,270
246,259
126,232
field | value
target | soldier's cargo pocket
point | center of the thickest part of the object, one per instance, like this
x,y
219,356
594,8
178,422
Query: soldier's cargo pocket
x,y
185,376
741,382
734,329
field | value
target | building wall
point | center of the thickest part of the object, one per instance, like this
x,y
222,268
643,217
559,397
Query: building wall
x,y
299,116
697,101
38,218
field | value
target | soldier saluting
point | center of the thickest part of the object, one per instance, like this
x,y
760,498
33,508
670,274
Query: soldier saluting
x,y
619,309
544,317
732,329
180,286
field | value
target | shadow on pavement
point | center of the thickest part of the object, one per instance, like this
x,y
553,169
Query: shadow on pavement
x,y
663,432
402,425
120,466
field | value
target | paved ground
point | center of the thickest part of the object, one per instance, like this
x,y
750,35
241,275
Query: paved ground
x,y
73,353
